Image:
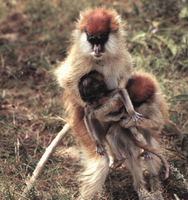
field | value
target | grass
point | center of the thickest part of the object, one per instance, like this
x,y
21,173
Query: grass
x,y
34,36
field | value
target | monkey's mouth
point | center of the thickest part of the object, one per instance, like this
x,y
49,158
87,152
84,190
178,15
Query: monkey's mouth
x,y
98,55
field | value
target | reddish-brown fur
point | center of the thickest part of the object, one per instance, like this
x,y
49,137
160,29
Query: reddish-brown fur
x,y
99,21
76,122
141,88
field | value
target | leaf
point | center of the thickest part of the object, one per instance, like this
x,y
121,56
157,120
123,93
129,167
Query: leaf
x,y
169,43
181,97
183,144
184,13
173,48
185,38
138,36
156,23
3,94
135,9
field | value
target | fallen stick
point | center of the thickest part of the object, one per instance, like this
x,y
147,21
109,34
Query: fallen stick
x,y
44,159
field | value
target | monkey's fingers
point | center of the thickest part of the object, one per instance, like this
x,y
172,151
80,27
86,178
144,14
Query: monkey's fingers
x,y
138,114
137,118
147,157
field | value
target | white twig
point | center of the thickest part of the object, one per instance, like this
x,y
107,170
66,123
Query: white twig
x,y
44,159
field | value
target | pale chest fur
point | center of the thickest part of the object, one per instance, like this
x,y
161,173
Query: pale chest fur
x,y
114,76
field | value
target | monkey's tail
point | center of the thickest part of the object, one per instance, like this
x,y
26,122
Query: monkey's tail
x,y
43,160
94,175
154,151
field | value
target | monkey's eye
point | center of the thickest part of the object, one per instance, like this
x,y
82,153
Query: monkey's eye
x,y
97,39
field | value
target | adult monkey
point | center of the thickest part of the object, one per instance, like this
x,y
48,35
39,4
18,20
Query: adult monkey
x,y
98,44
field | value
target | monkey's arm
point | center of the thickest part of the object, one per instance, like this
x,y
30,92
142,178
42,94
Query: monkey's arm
x,y
104,112
153,118
146,123
123,95
115,101
95,127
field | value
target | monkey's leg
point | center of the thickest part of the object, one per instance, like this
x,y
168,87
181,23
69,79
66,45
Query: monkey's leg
x,y
148,149
123,95
154,167
154,122
135,165
96,129
112,139
136,117
139,140
96,167
103,113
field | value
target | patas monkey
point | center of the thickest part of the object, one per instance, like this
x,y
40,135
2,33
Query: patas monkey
x,y
113,61
98,44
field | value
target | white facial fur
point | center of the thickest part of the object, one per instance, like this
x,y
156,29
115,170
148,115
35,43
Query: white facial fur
x,y
84,45
111,46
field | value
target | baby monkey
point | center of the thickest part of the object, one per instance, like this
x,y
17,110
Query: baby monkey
x,y
103,108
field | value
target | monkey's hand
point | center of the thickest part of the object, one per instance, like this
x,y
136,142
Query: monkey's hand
x,y
127,123
136,117
100,149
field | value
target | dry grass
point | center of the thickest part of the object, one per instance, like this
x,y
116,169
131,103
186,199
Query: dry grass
x,y
34,36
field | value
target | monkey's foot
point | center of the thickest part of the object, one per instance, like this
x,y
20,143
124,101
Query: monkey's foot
x,y
137,117
157,195
143,194
146,155
100,149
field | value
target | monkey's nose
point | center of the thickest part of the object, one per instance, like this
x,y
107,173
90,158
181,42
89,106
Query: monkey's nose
x,y
97,48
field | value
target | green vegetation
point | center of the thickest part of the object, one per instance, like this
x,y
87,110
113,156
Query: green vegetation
x,y
34,36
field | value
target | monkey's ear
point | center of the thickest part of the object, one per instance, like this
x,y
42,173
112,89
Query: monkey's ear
x,y
79,20
118,19
81,17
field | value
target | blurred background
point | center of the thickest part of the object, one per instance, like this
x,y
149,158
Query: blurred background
x,y
34,39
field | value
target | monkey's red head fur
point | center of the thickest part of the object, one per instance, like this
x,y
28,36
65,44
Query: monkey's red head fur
x,y
99,33
98,21
142,88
